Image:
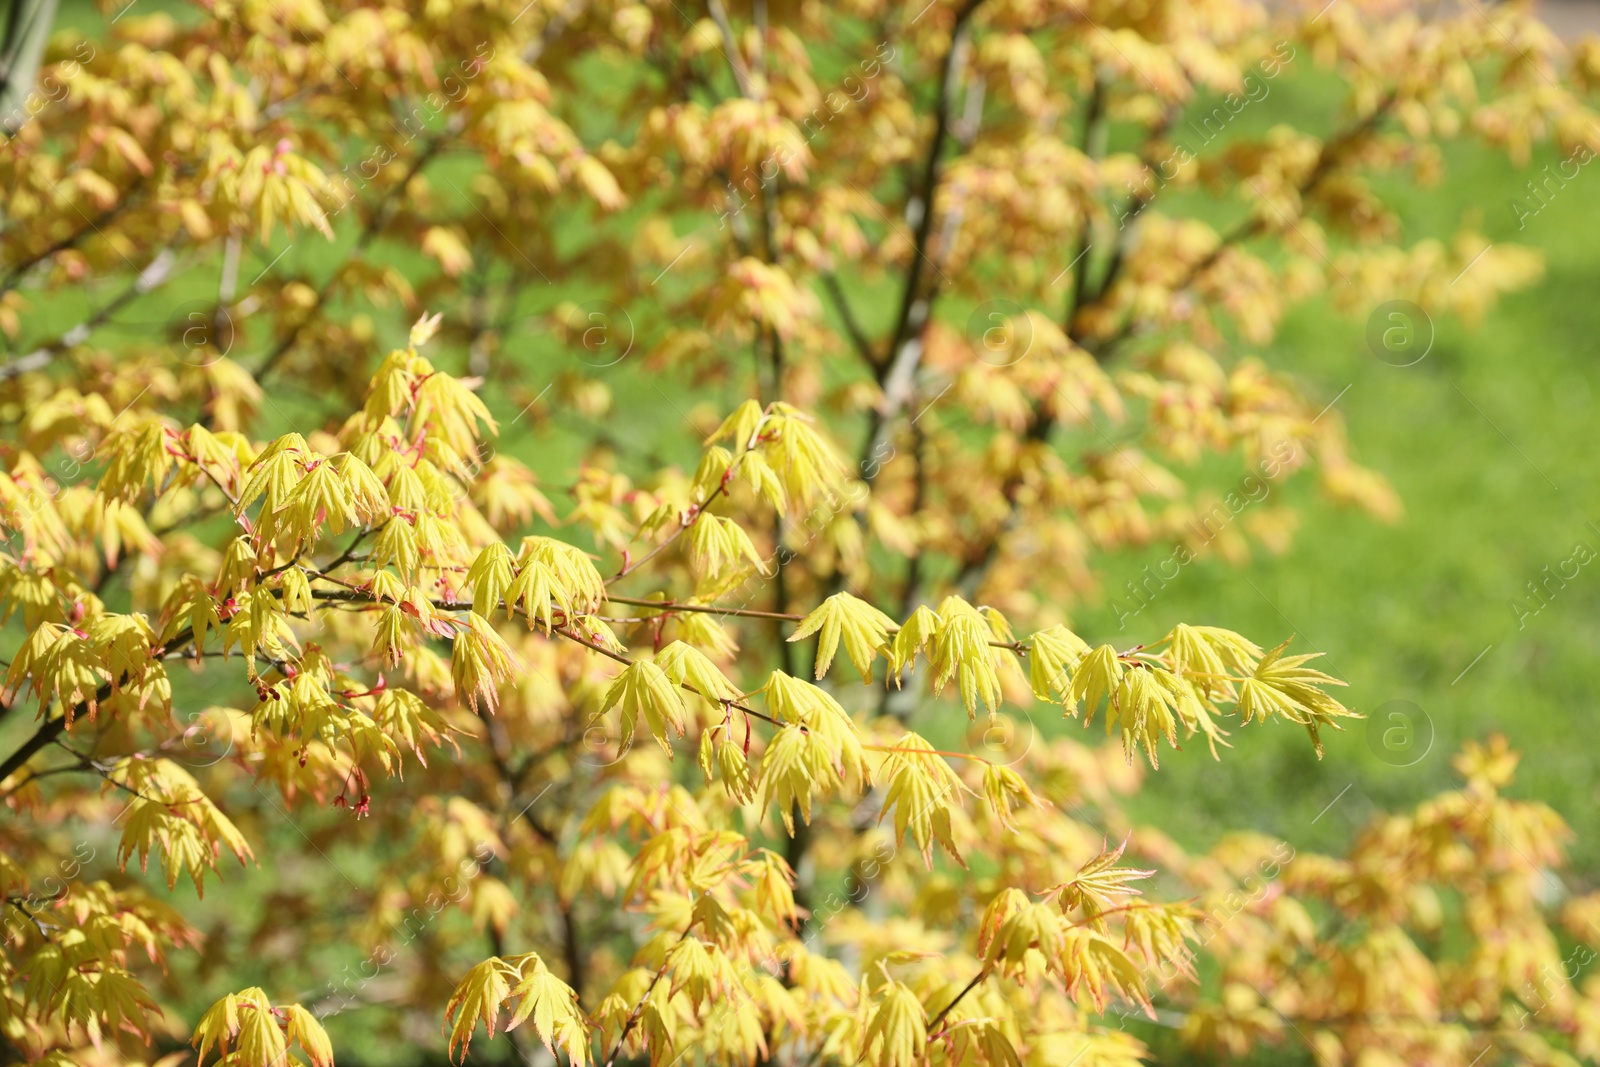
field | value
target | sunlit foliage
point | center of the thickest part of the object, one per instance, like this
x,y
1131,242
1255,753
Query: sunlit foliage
x,y
758,757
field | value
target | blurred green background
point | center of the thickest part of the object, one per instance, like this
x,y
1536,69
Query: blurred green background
x,y
1489,442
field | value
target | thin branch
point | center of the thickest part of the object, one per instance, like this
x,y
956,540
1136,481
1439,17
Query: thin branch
x,y
50,729
904,351
157,272
47,732
351,594
87,763
628,661
1040,426
669,606
71,240
17,903
852,325
1332,151
1130,211
638,1009
512,779
704,609
933,1023
730,47
1092,144
342,558
634,565
35,776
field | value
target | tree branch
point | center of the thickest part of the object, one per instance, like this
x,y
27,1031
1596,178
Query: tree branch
x,y
1092,144
14,276
905,350
852,326
1332,150
1039,428
50,729
153,275
638,1009
933,1023
47,732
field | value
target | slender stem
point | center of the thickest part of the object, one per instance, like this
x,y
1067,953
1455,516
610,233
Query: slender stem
x,y
730,47
669,606
154,274
704,609
51,729
85,763
572,950
47,732
903,354
929,752
20,906
933,1023
852,325
973,568
656,551
620,658
90,226
1334,148
638,1009
36,775
1137,202
1091,144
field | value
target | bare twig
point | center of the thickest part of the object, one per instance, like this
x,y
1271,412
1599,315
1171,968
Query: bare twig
x,y
904,352
156,273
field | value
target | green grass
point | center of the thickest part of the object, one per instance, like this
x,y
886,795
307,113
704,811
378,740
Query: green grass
x,y
1489,442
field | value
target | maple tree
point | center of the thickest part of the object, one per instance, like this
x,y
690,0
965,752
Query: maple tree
x,y
956,298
